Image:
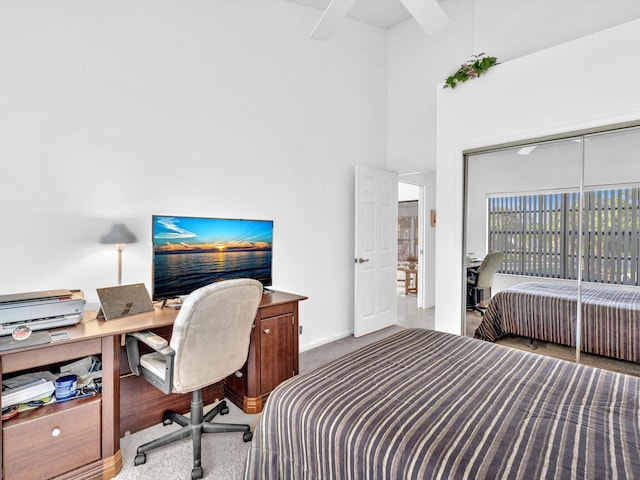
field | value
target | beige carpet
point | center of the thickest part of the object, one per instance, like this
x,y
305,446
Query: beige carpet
x,y
555,350
222,453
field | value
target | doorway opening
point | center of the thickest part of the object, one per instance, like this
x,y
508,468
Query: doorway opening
x,y
411,258
408,239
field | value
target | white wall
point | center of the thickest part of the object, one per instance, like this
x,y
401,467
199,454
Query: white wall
x,y
558,90
408,192
507,29
113,111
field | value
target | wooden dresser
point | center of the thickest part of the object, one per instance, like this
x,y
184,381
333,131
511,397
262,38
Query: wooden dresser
x,y
273,353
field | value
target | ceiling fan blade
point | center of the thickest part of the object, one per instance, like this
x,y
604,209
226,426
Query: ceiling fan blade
x,y
330,19
428,14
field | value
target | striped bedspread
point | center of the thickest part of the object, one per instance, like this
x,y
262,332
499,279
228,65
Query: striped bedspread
x,y
423,405
546,311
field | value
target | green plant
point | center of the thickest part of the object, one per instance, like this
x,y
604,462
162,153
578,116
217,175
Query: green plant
x,y
475,67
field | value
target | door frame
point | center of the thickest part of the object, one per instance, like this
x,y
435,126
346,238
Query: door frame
x,y
426,248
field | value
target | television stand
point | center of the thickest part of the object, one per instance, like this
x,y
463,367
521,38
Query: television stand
x,y
175,304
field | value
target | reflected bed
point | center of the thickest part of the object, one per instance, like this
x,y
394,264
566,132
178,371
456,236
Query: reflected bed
x,y
547,312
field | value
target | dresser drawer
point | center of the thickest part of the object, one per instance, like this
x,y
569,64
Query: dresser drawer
x,y
276,310
44,446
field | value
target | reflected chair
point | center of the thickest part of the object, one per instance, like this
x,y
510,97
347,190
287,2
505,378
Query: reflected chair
x,y
480,280
209,342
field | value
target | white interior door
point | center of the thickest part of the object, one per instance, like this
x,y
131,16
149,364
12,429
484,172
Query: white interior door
x,y
375,250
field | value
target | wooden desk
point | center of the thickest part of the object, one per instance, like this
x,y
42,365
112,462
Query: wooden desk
x,y
84,439
273,353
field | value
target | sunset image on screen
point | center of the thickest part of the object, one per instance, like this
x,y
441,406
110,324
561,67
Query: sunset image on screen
x,y
188,235
190,252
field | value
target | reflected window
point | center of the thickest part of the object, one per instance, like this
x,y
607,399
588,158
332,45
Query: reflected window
x,y
539,234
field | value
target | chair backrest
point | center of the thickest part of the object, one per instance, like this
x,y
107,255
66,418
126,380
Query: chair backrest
x,y
212,331
487,269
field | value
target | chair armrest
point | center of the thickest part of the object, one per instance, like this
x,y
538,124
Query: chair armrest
x,y
150,339
472,276
159,345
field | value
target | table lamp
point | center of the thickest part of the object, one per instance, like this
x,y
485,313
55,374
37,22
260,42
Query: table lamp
x,y
119,234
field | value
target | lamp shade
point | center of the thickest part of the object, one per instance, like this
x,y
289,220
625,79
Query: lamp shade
x,y
119,233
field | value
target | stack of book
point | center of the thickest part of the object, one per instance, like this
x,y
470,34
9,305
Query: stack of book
x,y
37,390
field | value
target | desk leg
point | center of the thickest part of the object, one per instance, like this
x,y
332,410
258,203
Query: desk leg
x,y
407,281
111,454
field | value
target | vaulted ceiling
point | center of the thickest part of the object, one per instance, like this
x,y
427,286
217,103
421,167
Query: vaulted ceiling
x,y
380,13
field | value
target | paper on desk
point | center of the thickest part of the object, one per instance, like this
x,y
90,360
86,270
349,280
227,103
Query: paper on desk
x,y
14,382
82,366
25,393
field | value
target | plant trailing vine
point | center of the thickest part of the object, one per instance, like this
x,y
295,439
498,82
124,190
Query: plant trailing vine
x,y
473,68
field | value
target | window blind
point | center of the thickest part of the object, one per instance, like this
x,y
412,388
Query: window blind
x,y
539,234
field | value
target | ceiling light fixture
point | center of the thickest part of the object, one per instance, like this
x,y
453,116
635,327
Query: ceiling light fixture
x,y
527,150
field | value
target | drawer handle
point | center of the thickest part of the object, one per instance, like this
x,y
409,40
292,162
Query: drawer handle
x,y
55,432
267,331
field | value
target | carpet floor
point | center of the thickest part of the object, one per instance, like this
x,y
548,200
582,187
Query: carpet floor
x,y
223,454
555,350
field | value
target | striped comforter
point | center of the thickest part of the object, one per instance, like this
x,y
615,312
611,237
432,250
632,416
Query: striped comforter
x,y
546,311
423,404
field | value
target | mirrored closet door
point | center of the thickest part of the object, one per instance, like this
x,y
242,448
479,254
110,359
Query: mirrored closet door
x,y
563,217
610,293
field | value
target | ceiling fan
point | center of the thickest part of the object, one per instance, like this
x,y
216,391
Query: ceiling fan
x,y
427,13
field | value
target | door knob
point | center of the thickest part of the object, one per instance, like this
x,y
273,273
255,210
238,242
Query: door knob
x,y
361,260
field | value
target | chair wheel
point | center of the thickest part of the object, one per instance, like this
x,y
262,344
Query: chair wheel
x,y
247,436
140,459
166,418
196,473
224,410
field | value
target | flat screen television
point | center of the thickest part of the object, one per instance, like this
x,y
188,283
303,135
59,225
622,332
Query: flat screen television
x,y
191,252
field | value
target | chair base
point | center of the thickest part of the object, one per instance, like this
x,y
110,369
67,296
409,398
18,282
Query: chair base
x,y
194,426
476,296
476,308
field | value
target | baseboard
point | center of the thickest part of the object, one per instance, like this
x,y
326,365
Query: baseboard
x,y
309,346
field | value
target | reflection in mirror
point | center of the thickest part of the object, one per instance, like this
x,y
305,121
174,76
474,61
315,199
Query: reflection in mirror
x,y
610,294
565,216
513,207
